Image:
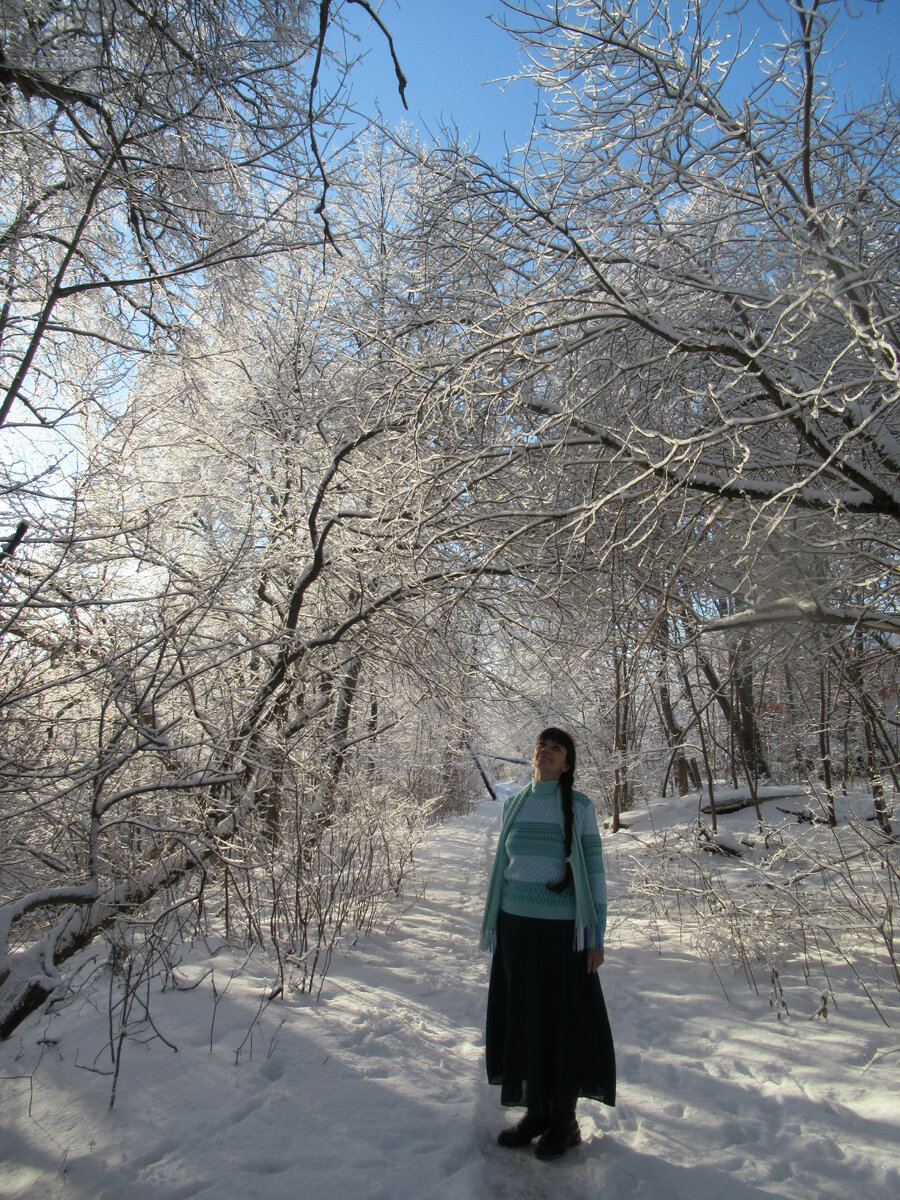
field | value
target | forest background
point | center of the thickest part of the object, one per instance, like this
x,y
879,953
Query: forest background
x,y
335,462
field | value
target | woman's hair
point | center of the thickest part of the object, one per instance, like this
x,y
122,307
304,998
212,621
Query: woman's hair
x,y
552,734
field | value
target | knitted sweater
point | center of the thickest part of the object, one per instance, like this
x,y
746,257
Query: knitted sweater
x,y
535,845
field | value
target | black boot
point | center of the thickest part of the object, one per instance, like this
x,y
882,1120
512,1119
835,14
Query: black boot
x,y
521,1134
561,1136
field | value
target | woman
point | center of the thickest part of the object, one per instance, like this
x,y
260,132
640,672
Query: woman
x,y
548,1038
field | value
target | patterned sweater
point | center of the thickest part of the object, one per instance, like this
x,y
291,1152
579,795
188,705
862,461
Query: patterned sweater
x,y
535,845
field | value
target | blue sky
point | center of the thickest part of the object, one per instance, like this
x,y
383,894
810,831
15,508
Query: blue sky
x,y
449,50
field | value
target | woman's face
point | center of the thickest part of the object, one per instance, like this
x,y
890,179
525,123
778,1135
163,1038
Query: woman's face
x,y
550,759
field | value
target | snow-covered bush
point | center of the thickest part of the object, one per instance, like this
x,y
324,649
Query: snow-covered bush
x,y
801,896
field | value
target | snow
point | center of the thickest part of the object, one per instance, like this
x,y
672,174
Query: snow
x,y
377,1090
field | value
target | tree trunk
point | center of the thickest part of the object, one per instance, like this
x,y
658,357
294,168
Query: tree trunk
x,y
673,731
825,746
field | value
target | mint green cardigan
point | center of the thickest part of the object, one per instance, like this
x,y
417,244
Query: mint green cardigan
x,y
588,925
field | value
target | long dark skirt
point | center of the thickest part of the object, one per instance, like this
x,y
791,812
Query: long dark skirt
x,y
548,1039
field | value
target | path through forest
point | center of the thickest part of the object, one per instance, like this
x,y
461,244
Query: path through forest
x,y
377,1092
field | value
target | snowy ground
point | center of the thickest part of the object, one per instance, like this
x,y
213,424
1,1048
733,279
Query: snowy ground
x,y
377,1091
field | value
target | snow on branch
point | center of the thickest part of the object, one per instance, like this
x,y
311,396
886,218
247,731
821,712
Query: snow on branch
x,y
806,610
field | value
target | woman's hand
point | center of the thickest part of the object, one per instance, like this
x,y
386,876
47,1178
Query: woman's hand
x,y
594,958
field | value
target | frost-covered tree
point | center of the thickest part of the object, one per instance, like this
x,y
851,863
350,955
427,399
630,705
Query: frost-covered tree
x,y
678,372
153,158
708,290
257,618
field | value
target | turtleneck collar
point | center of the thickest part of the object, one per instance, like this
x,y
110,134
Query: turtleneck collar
x,y
544,787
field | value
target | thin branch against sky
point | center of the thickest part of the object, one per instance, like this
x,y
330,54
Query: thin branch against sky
x,y
459,62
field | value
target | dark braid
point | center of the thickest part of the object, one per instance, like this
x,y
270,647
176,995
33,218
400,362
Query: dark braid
x,y
565,790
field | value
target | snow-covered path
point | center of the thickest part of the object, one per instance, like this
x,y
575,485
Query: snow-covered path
x,y
378,1091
